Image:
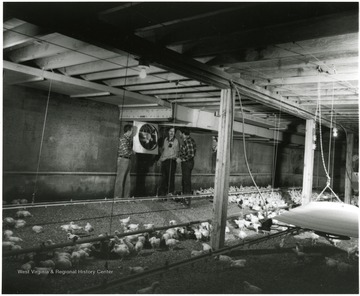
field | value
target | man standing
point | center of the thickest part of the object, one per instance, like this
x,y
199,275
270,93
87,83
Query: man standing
x,y
186,158
122,181
170,151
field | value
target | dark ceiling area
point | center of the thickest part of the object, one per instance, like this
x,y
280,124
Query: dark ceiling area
x,y
288,58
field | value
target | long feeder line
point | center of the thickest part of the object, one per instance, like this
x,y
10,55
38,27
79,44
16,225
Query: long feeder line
x,y
106,200
167,266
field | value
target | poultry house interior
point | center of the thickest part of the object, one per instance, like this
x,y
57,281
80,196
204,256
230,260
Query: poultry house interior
x,y
180,148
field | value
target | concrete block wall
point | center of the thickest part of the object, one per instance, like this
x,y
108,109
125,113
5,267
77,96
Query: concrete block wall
x,y
79,151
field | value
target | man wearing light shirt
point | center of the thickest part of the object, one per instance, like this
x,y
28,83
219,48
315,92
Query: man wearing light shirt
x,y
186,158
170,151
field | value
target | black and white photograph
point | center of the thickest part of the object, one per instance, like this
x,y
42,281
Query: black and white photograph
x,y
182,147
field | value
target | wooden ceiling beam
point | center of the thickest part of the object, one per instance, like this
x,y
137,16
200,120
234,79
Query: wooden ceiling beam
x,y
336,78
178,90
78,82
83,54
21,34
165,85
295,72
232,61
150,78
48,45
206,94
120,72
99,66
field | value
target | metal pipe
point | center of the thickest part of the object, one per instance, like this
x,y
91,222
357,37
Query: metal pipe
x,y
105,200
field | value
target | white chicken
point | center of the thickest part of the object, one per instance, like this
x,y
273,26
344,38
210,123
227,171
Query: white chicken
x,y
138,247
149,290
22,214
7,233
155,242
242,234
198,234
314,238
251,289
66,227
19,223
224,258
171,243
206,248
37,229
75,258
149,226
88,228
142,239
15,239
8,221
125,221
240,223
121,250
74,226
7,245
239,263
133,227
195,253
28,266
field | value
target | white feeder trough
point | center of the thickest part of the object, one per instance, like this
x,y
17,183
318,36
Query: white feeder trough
x,y
332,218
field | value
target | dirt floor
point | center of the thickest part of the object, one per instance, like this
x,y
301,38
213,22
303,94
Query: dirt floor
x,y
275,270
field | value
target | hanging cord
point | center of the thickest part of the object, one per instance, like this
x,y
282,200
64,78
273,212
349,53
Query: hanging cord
x,y
169,179
331,126
322,150
276,147
121,122
41,144
244,145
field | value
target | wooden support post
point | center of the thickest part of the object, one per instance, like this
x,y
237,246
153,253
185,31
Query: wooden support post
x,y
308,161
222,169
349,168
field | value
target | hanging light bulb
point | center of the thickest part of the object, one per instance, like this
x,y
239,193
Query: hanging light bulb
x,y
143,66
335,132
142,73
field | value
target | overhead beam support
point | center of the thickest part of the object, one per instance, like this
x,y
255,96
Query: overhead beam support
x,y
78,82
348,167
222,170
206,120
308,161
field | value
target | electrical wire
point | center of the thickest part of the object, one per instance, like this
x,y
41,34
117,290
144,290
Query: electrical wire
x,y
322,151
41,144
244,147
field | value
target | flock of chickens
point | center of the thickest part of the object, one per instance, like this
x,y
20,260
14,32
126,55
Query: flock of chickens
x,y
121,245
